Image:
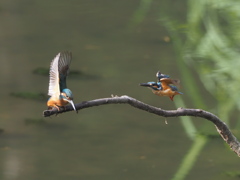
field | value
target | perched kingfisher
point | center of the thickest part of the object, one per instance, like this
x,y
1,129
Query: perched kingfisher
x,y
59,69
164,87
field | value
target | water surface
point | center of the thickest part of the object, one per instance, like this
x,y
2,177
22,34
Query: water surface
x,y
106,142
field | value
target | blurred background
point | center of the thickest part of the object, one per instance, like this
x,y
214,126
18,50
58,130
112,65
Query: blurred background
x,y
116,45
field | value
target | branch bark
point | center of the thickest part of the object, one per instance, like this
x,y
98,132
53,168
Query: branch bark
x,y
221,127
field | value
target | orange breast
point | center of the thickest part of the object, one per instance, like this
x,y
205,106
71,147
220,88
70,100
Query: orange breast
x,y
52,102
166,92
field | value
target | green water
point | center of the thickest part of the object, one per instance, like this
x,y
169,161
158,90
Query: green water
x,y
99,143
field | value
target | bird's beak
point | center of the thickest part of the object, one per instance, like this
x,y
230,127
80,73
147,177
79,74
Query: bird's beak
x,y
71,102
145,84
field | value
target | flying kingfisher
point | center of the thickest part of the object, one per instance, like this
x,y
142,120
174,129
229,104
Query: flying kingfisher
x,y
164,87
60,94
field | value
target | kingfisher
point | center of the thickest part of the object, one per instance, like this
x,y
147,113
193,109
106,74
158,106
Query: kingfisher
x,y
60,94
164,87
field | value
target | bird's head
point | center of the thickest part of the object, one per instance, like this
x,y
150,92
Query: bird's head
x,y
153,85
68,96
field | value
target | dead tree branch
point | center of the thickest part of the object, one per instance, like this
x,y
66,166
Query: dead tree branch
x,y
222,128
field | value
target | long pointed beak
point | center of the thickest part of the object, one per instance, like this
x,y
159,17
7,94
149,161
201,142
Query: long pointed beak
x,y
145,84
71,102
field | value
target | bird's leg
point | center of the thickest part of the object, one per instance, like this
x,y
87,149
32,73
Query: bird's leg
x,y
55,106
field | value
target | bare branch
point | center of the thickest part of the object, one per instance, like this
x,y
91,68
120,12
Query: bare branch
x,y
222,128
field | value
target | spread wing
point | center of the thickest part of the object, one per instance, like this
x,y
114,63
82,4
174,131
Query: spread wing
x,y
167,81
63,68
53,88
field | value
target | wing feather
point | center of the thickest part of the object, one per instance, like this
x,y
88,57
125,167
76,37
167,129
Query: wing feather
x,y
64,63
167,81
53,88
170,81
63,68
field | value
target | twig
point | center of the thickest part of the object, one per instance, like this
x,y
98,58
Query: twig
x,y
222,128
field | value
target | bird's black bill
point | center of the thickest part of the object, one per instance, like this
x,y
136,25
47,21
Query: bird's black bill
x,y
145,84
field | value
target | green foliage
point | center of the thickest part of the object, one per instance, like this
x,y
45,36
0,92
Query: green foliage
x,y
212,48
207,43
186,121
190,157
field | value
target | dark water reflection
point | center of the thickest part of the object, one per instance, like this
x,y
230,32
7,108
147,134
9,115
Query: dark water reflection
x,y
110,142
